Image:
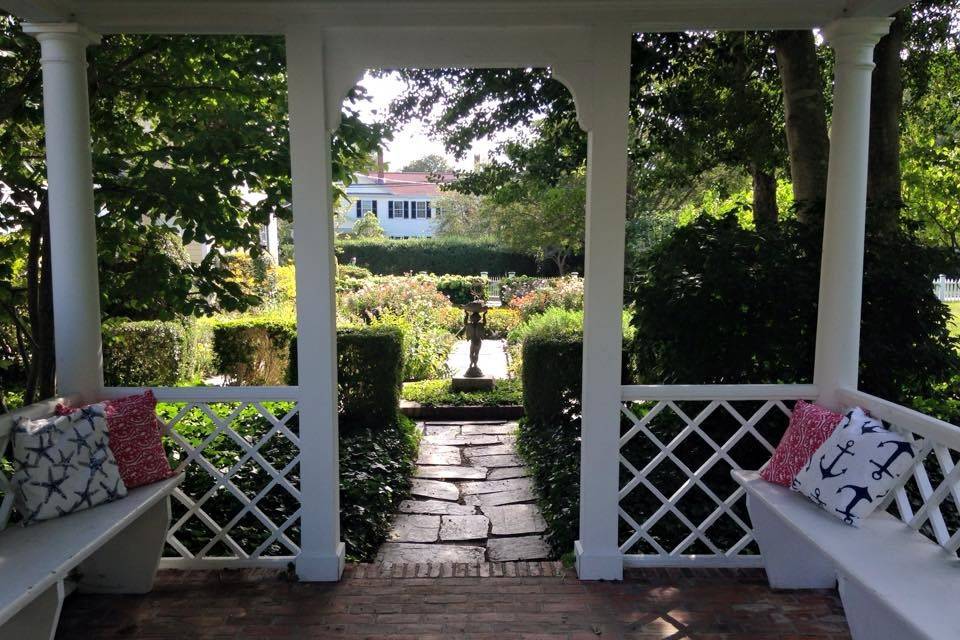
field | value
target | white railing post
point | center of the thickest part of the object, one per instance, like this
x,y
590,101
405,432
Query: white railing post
x,y
322,553
73,239
598,555
841,271
942,287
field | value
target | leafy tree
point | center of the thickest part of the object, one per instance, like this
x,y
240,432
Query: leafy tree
x,y
368,227
463,214
182,128
431,163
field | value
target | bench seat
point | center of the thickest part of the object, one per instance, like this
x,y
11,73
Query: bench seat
x,y
894,582
35,560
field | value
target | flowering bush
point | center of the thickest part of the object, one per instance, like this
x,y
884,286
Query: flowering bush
x,y
563,293
398,295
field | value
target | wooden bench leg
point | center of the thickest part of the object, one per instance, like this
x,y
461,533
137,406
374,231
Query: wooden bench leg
x,y
790,560
38,620
869,617
128,563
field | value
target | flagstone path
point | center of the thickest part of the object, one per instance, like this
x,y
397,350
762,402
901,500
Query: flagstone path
x,y
472,500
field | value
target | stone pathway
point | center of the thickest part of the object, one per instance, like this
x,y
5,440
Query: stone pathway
x,y
473,500
492,360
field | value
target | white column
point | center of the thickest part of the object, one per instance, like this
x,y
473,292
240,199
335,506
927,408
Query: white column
x,y
841,269
321,552
598,556
73,241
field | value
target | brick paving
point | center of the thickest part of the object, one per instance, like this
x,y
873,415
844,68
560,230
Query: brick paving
x,y
526,600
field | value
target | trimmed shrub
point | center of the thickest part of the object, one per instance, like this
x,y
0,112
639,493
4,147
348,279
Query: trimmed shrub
x,y
145,353
500,322
455,256
369,374
463,289
392,294
253,351
435,393
552,373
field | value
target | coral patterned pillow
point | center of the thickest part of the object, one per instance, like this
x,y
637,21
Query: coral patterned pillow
x,y
810,426
135,439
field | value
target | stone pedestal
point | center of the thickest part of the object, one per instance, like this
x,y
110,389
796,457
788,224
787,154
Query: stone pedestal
x,y
462,383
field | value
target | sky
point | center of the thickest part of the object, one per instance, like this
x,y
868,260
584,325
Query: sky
x,y
414,140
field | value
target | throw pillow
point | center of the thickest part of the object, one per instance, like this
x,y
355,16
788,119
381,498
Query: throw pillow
x,y
135,438
855,468
64,464
810,425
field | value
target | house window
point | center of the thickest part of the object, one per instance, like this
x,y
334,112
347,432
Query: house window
x,y
366,206
397,209
437,211
421,209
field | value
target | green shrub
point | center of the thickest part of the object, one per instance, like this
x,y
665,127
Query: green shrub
x,y
552,323
500,322
145,353
369,374
394,294
436,393
564,293
551,376
516,286
426,345
435,255
253,351
463,289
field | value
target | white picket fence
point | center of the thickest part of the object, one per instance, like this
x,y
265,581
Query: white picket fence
x,y
947,289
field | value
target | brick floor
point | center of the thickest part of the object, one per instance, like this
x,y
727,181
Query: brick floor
x,y
532,601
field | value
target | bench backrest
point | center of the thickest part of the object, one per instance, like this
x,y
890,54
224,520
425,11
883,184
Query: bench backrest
x,y
929,501
41,409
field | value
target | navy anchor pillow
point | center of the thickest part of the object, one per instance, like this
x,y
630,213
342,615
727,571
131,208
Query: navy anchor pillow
x,y
854,470
64,464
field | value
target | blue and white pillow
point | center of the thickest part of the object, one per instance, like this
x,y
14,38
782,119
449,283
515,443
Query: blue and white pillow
x,y
64,464
854,470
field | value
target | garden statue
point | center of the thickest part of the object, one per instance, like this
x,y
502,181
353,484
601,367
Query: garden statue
x,y
474,330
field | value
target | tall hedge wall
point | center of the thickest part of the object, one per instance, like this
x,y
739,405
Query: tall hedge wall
x,y
150,353
435,255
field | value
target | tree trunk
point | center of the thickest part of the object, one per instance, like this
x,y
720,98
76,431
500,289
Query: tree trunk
x,y
806,120
765,212
41,371
46,357
884,197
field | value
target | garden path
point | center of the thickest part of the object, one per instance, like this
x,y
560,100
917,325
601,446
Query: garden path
x,y
472,501
492,361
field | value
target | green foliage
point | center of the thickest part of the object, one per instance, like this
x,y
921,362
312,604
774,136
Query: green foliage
x,y
146,353
516,286
456,256
368,227
254,350
555,322
437,393
430,163
426,344
397,295
564,293
462,289
500,322
716,303
553,367
369,374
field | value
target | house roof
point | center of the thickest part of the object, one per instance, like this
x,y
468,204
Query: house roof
x,y
399,183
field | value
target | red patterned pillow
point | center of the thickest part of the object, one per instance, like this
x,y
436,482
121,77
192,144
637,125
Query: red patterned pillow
x,y
135,439
810,426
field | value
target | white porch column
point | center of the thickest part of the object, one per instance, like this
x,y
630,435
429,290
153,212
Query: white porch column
x,y
841,270
321,551
73,241
598,556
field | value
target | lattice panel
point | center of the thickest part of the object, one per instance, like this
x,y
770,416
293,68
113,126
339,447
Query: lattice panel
x,y
677,498
240,498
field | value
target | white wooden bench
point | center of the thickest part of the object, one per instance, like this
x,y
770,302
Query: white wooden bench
x,y
896,583
114,547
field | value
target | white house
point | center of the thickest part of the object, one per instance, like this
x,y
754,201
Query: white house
x,y
405,203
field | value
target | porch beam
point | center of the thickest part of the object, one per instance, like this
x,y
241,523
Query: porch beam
x,y
322,553
598,555
73,241
841,270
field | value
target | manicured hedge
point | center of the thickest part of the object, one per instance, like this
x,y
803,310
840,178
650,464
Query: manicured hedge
x,y
552,371
146,353
369,373
253,351
435,255
462,289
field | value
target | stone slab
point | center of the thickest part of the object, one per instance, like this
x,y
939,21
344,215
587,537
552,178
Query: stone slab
x,y
451,473
497,461
490,450
519,548
414,528
441,430
463,383
500,498
454,528
495,486
460,441
434,489
417,553
489,429
437,508
504,473
438,454
515,519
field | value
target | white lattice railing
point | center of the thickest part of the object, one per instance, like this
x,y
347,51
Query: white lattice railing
x,y
239,504
929,502
678,505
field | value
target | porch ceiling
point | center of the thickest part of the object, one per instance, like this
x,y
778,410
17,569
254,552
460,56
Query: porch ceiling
x,y
265,16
